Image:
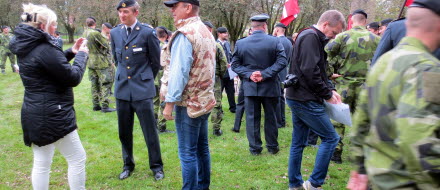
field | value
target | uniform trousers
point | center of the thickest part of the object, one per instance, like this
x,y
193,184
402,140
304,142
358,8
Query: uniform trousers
x,y
145,114
252,106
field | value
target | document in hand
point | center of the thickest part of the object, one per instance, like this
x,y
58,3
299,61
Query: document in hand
x,y
232,74
339,112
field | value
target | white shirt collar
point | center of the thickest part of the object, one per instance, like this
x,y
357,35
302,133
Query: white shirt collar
x,y
132,26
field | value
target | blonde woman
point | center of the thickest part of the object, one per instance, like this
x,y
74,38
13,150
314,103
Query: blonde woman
x,y
47,116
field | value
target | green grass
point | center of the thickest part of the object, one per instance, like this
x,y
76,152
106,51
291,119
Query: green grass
x,y
232,165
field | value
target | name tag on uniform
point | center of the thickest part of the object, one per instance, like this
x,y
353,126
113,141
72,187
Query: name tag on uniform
x,y
137,49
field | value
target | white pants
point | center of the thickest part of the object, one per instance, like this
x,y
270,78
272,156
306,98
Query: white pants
x,y
71,148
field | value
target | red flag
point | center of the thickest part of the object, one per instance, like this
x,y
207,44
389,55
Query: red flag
x,y
408,3
349,22
290,11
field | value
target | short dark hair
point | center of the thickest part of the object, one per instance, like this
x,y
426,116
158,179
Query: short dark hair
x,y
161,32
91,21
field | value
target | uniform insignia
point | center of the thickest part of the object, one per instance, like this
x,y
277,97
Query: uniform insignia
x,y
123,5
431,87
137,28
134,46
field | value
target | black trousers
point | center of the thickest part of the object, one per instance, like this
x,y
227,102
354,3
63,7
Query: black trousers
x,y
228,85
252,106
240,109
145,113
281,110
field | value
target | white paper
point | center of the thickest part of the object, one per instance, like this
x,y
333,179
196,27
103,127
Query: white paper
x,y
339,112
232,74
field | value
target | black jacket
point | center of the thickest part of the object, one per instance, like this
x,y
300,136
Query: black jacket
x,y
47,113
309,64
259,52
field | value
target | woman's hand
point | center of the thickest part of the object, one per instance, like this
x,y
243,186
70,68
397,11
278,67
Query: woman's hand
x,y
77,45
84,47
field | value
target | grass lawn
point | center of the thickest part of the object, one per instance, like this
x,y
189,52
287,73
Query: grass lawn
x,y
232,165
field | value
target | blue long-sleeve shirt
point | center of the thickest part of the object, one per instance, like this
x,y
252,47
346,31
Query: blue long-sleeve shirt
x,y
181,61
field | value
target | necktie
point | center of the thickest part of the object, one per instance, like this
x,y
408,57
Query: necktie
x,y
128,31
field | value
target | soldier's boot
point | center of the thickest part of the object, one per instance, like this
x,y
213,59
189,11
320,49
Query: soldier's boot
x,y
97,108
336,157
218,132
107,109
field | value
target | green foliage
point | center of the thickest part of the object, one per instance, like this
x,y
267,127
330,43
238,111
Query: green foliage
x,y
232,165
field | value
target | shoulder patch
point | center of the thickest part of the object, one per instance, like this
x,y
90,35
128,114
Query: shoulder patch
x,y
431,87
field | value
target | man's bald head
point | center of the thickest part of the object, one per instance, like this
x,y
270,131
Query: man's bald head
x,y
424,25
359,20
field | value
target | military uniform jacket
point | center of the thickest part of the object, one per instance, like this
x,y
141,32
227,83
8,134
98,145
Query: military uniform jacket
x,y
396,128
98,49
260,52
138,60
4,42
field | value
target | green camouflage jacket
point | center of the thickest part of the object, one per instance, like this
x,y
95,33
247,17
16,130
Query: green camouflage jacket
x,y
99,49
350,54
4,42
221,65
396,133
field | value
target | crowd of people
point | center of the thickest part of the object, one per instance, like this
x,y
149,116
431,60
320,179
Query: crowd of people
x,y
388,73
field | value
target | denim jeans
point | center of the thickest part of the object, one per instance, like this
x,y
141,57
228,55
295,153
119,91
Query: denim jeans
x,y
308,116
192,137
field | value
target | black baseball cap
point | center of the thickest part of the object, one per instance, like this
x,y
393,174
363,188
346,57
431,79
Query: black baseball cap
x,y
433,5
172,2
360,11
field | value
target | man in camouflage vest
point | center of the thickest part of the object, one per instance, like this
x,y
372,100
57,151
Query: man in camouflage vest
x,y
99,64
349,56
189,89
5,37
221,64
396,133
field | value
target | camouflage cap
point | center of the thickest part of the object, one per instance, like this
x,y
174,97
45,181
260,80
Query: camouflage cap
x,y
433,5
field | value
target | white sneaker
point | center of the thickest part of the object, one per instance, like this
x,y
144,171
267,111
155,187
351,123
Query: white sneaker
x,y
308,186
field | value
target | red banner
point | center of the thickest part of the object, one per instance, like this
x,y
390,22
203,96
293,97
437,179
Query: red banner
x,y
408,3
349,22
290,11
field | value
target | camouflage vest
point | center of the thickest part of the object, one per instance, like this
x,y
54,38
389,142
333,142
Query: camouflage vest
x,y
198,95
99,49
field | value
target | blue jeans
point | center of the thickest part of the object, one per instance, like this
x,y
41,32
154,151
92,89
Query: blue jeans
x,y
192,137
308,116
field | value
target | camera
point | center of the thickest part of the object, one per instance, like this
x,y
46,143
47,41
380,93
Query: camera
x,y
291,81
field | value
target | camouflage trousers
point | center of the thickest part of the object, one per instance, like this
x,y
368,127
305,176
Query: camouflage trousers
x,y
158,110
3,58
349,95
217,112
102,82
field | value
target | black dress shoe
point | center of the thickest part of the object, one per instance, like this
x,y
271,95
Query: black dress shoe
x,y
235,130
255,153
106,110
159,175
273,150
125,174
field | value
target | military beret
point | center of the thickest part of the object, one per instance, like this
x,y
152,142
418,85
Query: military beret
x,y
222,30
3,27
385,22
208,24
108,25
163,28
433,5
93,18
360,11
374,25
125,4
281,25
172,2
260,18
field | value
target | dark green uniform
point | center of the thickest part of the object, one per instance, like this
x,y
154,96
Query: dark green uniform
x,y
220,69
350,54
396,133
5,52
101,74
158,105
